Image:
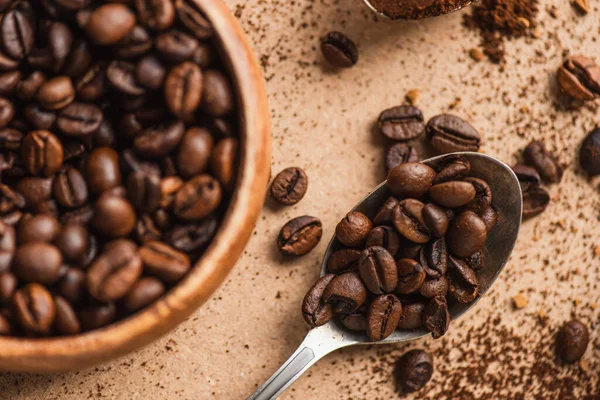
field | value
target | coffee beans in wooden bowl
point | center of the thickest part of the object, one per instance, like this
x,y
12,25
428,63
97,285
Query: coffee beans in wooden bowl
x,y
118,157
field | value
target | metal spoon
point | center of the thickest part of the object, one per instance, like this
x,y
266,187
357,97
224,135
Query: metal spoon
x,y
456,8
506,199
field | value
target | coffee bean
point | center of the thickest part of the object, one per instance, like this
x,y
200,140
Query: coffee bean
x,y
299,236
384,236
402,123
92,84
164,261
176,46
204,55
79,119
197,198
412,316
572,341
527,176
217,95
400,153
448,134
343,260
436,317
37,262
8,286
436,219
79,60
463,282
39,117
385,215
113,273
82,215
9,81
150,72
466,235
489,217
183,89
378,270
42,153
5,326
113,216
109,23
121,75
434,287
66,322
193,236
339,50
434,258
411,276
410,180
17,32
483,195
346,292
97,316
413,370
34,308
72,285
579,77
289,186
35,190
70,188
159,140
8,241
143,188
9,199
408,220
56,93
355,322
72,241
453,194
314,310
10,139
155,14
353,229
192,17
194,152
136,44
7,112
38,228
476,261
536,155
589,153
143,293
27,89
450,168
60,42
224,162
383,316
102,170
535,201
408,250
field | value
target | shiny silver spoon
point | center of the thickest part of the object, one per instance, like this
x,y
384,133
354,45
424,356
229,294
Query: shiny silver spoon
x,y
506,199
457,7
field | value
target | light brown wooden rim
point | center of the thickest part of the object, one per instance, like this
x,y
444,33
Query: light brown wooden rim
x,y
60,354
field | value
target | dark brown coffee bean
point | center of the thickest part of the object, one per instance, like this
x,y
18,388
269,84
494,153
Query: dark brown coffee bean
x,y
434,287
411,276
408,220
183,90
102,170
378,270
146,230
192,237
42,153
110,23
197,198
224,162
17,31
35,190
38,228
91,86
7,112
72,285
489,217
434,258
572,341
436,317
34,308
436,219
39,117
121,76
402,123
114,272
37,262
477,261
157,15
66,322
114,216
150,72
450,168
384,236
579,77
466,235
409,250
589,153
194,152
217,95
339,50
448,134
385,215
9,81
536,155
82,215
353,229
8,287
143,293
10,200
97,316
535,201
412,316
159,140
410,180
164,262
27,89
60,42
299,236
355,322
413,370
192,17
346,292
527,176
137,43
73,241
56,93
483,195
314,310
463,283
79,60
453,194
400,153
143,189
79,119
175,46
343,260
289,186
70,188
383,316
10,139
8,243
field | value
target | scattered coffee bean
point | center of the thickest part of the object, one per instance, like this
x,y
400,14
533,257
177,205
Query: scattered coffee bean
x,y
413,370
579,77
572,341
535,201
448,134
536,156
299,236
402,123
589,153
289,186
339,50
527,176
400,153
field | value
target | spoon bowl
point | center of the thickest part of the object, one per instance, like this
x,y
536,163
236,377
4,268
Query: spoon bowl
x,y
506,199
429,12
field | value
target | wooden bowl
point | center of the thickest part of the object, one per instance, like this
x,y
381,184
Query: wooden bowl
x,y
65,353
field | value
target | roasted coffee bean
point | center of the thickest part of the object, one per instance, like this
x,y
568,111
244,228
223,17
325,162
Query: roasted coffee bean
x,y
56,93
353,229
448,134
385,214
192,17
7,112
378,271
39,117
412,316
34,308
589,153
79,60
41,58
409,250
192,237
536,155
434,287
579,77
70,188
159,140
400,153
489,217
110,23
42,153
8,243
9,81
73,241
355,322
143,189
289,186
339,50
436,220
82,215
72,285
463,283
35,190
466,235
572,341
197,198
343,260
476,261
169,187
483,195
114,216
155,14
183,90
137,43
450,168
453,194
97,316
164,262
146,230
402,123
17,32
411,276
79,119
176,46
66,322
150,72
91,86
383,316
384,236
143,293
27,89
8,287
37,262
314,310
299,236
38,228
346,292
194,152
408,220
535,201
410,180
49,207
10,139
224,162
527,176
434,258
102,170
436,317
217,95
413,370
10,199
204,55
121,75
114,272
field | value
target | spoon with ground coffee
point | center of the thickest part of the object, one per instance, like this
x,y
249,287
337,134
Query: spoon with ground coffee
x,y
415,9
506,200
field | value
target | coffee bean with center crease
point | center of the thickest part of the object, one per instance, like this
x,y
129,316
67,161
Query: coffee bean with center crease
x,y
34,308
9,81
410,179
463,282
385,214
535,201
451,168
10,199
572,341
79,119
289,186
436,219
114,216
159,140
449,134
434,258
483,195
314,310
192,237
102,170
353,229
10,139
155,14
176,46
164,262
466,235
402,123
536,156
113,273
109,23
197,198
42,153
383,316
17,32
192,17
527,176
343,260
37,228
66,321
299,236
339,50
91,86
400,153
27,89
135,44
143,293
579,77
411,276
412,316
384,236
408,220
413,370
39,117
346,292
70,188
8,242
56,93
453,194
436,317
378,270
194,152
121,76
183,89
143,189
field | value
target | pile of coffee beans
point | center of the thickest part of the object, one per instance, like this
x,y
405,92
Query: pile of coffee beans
x,y
118,156
422,249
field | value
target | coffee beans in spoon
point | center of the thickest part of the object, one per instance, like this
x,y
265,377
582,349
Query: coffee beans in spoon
x,y
118,156
421,253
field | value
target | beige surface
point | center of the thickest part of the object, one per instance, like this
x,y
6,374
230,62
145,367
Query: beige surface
x,y
322,121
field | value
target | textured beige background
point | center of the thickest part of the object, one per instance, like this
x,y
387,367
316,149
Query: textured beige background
x,y
322,121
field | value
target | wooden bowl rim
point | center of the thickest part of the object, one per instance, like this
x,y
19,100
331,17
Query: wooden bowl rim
x,y
76,352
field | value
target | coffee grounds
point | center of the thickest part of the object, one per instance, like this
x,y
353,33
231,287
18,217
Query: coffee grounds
x,y
498,20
